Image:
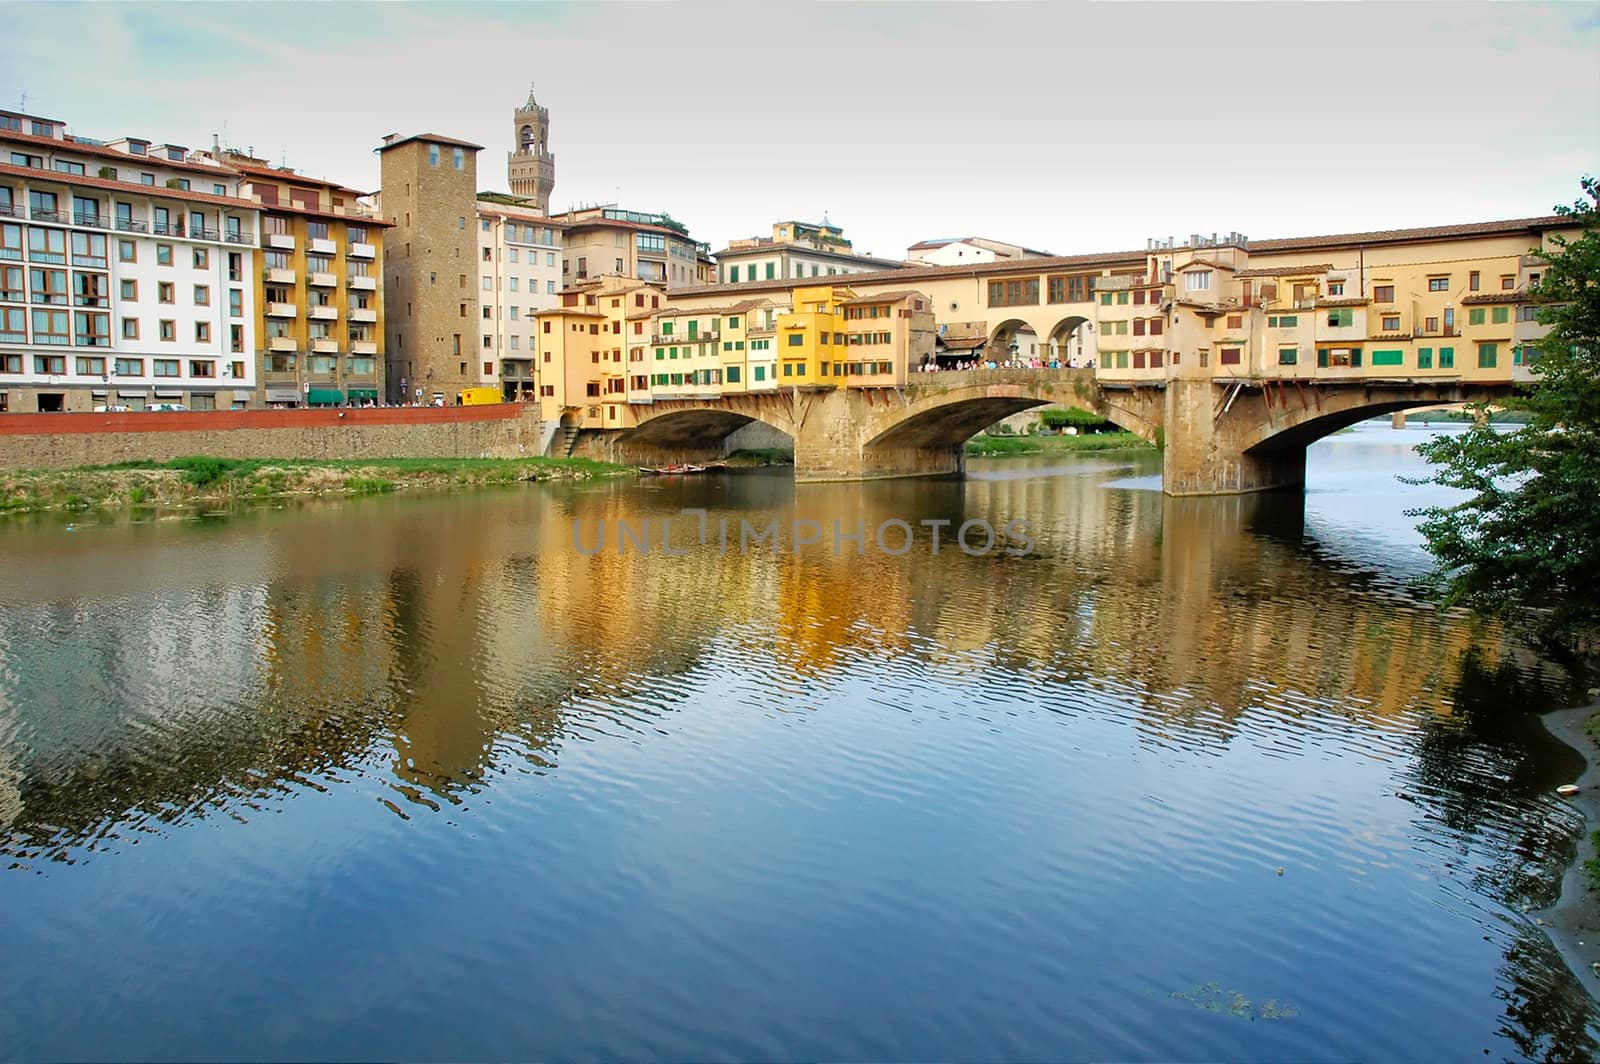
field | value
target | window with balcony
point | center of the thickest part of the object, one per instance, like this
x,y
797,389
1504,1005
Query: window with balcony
x,y
85,210
319,264
317,230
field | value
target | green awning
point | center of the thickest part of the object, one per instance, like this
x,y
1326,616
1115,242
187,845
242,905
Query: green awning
x,y
363,393
325,397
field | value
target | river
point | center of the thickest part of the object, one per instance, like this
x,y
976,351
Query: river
x,y
415,778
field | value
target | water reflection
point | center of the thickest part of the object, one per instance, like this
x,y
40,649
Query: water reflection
x,y
1168,694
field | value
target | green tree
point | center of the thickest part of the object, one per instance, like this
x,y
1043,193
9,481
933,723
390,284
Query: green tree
x,y
1524,546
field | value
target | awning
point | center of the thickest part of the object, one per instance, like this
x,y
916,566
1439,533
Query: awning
x,y
141,394
168,393
324,397
364,393
283,395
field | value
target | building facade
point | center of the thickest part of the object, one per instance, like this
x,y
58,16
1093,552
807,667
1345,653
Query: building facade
x,y
608,241
530,168
319,323
795,250
430,274
519,267
126,274
586,348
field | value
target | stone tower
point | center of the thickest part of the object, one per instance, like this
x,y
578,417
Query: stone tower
x,y
531,169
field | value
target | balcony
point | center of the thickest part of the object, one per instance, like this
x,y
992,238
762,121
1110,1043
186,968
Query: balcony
x,y
325,346
282,310
132,225
362,251
239,237
282,343
322,280
363,314
363,347
691,338
322,312
39,214
320,245
167,229
364,284
92,221
281,241
278,275
200,232
13,210
1423,332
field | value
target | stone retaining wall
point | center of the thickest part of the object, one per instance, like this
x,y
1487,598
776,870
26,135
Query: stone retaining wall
x,y
66,441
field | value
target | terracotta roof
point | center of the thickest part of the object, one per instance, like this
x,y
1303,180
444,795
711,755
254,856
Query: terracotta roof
x,y
431,138
290,177
963,343
129,187
318,212
1286,271
782,245
1480,298
1436,232
1207,263
1344,301
101,151
886,297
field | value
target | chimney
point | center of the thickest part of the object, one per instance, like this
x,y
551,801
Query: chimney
x,y
216,146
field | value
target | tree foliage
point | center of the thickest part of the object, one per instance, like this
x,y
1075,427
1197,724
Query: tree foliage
x,y
1524,546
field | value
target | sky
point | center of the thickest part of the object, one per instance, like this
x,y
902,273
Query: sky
x,y
1071,128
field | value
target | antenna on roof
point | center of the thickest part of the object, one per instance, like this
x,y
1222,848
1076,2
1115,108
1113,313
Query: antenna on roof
x,y
22,102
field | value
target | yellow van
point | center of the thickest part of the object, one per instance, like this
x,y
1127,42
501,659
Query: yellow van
x,y
481,396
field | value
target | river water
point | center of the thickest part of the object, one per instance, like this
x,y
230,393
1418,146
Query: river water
x,y
414,778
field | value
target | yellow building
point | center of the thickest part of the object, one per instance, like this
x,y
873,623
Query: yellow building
x,y
581,373
319,303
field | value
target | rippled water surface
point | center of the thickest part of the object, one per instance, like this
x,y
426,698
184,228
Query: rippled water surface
x,y
414,778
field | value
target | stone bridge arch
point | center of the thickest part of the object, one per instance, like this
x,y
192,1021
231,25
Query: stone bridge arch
x,y
687,430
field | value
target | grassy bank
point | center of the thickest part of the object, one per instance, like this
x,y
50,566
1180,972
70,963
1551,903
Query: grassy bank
x,y
987,446
185,480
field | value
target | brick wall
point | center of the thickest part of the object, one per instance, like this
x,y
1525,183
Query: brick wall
x,y
66,441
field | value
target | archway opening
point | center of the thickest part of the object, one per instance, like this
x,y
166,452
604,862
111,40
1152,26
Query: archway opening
x,y
1013,340
701,435
1071,342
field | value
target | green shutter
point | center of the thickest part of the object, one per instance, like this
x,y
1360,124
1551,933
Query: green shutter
x,y
1475,316
1288,356
1322,357
1388,358
1447,358
1488,355
1424,358
1501,315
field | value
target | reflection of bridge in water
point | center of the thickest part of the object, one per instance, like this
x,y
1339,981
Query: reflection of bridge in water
x,y
1219,435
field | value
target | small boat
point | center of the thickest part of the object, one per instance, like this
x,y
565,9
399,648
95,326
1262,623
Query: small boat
x,y
672,470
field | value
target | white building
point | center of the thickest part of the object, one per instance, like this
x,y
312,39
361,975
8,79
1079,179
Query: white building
x,y
127,274
519,274
967,250
795,249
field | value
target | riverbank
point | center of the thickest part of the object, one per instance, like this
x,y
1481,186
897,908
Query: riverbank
x,y
185,480
1573,923
987,446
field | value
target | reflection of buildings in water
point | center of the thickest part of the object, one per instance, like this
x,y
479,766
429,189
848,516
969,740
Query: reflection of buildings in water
x,y
10,771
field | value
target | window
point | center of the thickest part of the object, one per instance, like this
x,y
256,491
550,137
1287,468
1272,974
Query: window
x,y
1341,317
49,327
164,292
1383,293
166,367
1235,321
89,290
796,340
1488,355
236,345
13,326
93,330
433,155
11,284
202,295
89,249
1447,358
1195,281
1475,316
1473,283
202,259
1390,323
1424,358
1013,293
1438,284
202,332
56,364
1284,321
1388,358
47,245
163,254
1500,315
1507,283
235,303
1288,356
130,290
49,286
128,367
459,158
169,330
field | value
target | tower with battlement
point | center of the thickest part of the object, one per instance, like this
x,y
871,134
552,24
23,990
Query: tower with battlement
x,y
531,168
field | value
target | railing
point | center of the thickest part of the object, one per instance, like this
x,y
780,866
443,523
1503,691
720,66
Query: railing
x,y
239,238
13,210
167,229
39,214
688,338
1443,331
92,221
132,225
202,233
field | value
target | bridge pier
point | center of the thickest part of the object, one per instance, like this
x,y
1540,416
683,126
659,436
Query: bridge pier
x,y
818,461
1208,440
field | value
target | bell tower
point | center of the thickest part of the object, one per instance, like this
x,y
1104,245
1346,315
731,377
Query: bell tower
x,y
531,169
